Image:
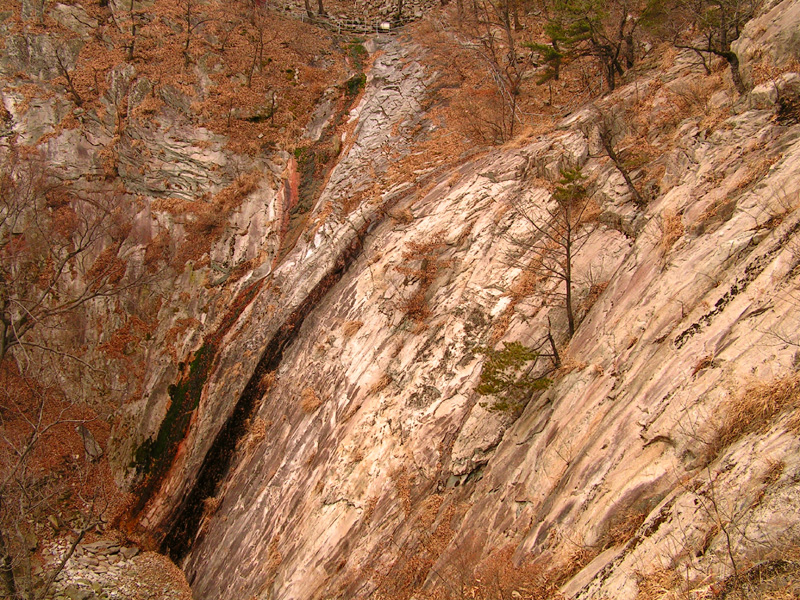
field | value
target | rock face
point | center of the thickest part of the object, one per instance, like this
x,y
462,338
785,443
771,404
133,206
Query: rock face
x,y
369,439
318,433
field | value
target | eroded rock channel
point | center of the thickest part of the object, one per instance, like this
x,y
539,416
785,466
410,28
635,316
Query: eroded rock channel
x,y
186,518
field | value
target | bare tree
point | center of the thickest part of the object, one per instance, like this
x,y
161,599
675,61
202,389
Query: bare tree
x,y
554,235
493,36
59,250
191,21
605,127
61,63
63,247
43,482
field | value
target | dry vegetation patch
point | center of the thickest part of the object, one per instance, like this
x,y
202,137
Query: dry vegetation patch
x,y
671,230
425,256
310,400
351,328
755,410
245,71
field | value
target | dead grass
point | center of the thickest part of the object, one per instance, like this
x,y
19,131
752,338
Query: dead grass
x,y
351,328
755,410
671,230
777,579
310,400
256,432
622,528
764,69
425,256
266,382
594,293
403,216
402,483
715,214
499,577
570,363
211,504
380,385
659,584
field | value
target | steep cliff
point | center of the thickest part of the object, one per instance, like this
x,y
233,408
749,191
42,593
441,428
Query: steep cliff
x,y
306,424
372,465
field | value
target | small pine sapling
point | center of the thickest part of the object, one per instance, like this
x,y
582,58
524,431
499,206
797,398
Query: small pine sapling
x,y
507,375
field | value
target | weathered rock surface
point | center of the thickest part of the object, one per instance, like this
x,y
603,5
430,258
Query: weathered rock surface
x,y
311,504
337,383
328,500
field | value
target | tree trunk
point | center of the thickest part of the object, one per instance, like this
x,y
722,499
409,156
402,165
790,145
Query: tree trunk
x,y
515,10
6,572
608,146
556,63
736,74
568,284
513,114
610,75
320,8
3,344
553,348
309,12
630,50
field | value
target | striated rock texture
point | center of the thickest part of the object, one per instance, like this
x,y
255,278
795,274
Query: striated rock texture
x,y
306,422
371,465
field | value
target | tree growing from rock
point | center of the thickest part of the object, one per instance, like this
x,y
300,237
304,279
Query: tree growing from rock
x,y
554,235
712,26
604,126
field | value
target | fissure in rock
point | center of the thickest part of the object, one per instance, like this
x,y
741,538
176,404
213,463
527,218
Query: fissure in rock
x,y
155,456
187,517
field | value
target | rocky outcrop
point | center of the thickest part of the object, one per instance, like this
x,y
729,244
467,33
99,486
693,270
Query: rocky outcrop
x,y
305,423
371,439
270,321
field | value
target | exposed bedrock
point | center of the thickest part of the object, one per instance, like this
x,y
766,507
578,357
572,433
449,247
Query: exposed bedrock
x,y
369,436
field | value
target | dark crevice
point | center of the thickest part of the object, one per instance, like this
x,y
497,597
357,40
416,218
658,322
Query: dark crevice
x,y
186,518
153,459
751,272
